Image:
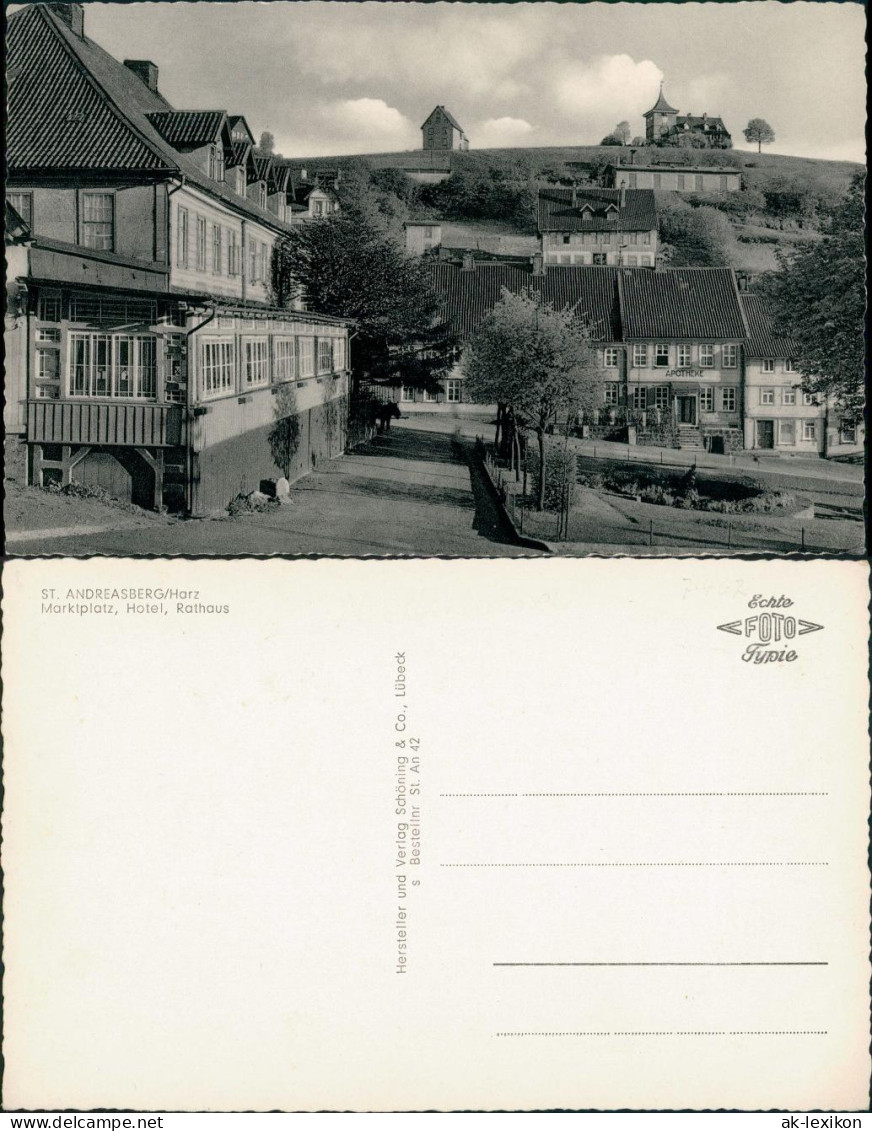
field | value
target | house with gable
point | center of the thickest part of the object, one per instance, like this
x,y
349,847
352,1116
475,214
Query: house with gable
x,y
441,130
598,227
152,360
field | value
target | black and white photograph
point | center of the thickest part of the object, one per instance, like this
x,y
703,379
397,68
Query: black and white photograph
x,y
408,279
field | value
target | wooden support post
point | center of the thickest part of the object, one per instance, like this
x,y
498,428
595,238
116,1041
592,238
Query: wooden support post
x,y
156,463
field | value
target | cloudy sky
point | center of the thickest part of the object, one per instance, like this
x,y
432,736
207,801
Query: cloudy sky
x,y
334,77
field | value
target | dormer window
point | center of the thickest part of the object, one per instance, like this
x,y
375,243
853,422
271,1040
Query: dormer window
x,y
262,195
216,163
240,181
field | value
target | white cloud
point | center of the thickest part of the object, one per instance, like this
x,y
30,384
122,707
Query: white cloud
x,y
610,89
494,133
351,125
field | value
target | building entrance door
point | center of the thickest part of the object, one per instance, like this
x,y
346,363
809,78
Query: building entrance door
x,y
687,410
765,433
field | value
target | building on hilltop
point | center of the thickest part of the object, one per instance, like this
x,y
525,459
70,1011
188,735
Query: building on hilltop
x,y
675,178
598,227
144,354
665,126
443,131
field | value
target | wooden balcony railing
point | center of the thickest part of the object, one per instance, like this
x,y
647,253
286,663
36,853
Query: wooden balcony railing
x,y
110,423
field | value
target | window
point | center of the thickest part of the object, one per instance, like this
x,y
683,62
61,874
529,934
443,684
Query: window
x,y
633,238
681,182
728,399
786,432
646,237
325,355
725,184
809,429
22,202
407,393
706,398
707,356
599,259
217,367
283,369
216,250
256,354
640,356
216,163
201,244
661,355
113,365
808,399
49,306
610,392
452,390
848,434
610,358
182,238
729,356
632,260
49,334
658,181
307,357
232,252
640,397
264,269
788,396
339,354
682,358
48,373
98,220
699,184
661,396
768,365
767,396
789,365
633,180
566,239
428,396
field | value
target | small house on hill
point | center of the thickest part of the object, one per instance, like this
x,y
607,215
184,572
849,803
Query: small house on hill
x,y
443,131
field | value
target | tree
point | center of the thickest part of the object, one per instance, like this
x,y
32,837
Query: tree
x,y
346,267
695,237
818,300
759,130
534,361
622,130
267,144
612,139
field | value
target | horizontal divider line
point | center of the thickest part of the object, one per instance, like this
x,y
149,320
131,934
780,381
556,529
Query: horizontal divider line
x,y
663,864
809,793
661,964
676,1033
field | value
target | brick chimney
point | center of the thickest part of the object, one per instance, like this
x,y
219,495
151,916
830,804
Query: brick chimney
x,y
538,263
574,196
144,69
468,261
622,199
73,16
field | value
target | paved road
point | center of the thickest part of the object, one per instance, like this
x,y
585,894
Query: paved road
x,y
406,493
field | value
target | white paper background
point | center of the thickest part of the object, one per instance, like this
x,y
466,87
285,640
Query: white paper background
x,y
200,829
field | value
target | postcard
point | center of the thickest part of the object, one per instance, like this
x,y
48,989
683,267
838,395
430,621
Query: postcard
x,y
436,835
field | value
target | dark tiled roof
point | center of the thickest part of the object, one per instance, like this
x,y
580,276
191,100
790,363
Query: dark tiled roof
x,y
454,122
661,106
467,296
262,166
237,154
67,122
620,303
188,129
686,302
715,125
557,213
54,70
763,338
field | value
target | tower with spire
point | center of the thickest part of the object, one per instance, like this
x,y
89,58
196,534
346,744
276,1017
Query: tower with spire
x,y
660,119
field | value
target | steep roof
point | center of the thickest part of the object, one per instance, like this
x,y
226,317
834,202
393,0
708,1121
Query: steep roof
x,y
68,122
466,297
763,337
188,129
620,303
262,166
238,154
685,302
236,120
72,106
558,214
661,106
454,122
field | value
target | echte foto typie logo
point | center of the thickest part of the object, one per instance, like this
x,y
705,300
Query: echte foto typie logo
x,y
771,634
